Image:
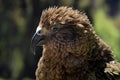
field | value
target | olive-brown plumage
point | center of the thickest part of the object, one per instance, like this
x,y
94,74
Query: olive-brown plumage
x,y
71,48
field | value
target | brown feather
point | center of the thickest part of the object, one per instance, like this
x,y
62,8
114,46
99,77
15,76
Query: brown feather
x,y
81,55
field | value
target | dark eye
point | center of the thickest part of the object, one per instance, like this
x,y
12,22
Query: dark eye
x,y
55,28
39,32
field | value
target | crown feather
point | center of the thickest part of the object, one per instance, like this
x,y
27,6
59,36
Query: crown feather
x,y
62,15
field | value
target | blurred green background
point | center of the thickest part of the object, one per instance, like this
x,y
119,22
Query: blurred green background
x,y
19,19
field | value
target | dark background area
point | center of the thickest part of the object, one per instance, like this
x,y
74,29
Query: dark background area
x,y
18,22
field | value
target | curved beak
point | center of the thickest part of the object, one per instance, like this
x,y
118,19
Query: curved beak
x,y
37,39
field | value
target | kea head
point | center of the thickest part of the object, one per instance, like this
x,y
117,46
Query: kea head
x,y
64,26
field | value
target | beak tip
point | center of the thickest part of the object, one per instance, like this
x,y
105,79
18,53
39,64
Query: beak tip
x,y
32,49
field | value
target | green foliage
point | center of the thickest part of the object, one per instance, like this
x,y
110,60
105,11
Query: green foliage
x,y
2,78
16,63
106,29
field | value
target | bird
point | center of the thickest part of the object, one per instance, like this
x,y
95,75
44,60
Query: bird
x,y
72,50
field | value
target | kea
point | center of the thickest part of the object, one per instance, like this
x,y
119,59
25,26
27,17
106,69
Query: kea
x,y
71,48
